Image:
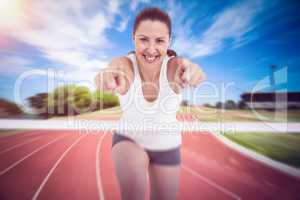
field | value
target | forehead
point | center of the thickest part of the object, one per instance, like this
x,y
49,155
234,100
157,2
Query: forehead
x,y
152,29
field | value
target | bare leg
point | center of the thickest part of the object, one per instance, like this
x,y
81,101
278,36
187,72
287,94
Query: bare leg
x,y
164,180
131,164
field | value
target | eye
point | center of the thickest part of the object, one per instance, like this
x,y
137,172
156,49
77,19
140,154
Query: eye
x,y
160,41
143,39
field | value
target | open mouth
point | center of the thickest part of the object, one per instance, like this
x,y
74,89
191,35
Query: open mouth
x,y
150,59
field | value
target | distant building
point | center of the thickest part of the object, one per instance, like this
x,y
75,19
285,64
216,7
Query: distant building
x,y
272,100
185,103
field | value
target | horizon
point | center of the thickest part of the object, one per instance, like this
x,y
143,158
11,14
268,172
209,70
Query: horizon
x,y
77,39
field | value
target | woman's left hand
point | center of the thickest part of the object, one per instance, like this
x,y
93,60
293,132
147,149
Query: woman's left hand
x,y
188,73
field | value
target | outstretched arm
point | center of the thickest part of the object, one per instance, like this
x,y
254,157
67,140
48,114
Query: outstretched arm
x,y
117,77
183,72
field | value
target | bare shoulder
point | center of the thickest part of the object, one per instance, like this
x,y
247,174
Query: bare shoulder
x,y
124,67
121,63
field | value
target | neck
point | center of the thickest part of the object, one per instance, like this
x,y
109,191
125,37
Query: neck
x,y
149,73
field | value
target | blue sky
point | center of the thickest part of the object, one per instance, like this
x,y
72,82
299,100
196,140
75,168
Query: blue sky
x,y
233,41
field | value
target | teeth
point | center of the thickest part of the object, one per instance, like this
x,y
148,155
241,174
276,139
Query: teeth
x,y
150,58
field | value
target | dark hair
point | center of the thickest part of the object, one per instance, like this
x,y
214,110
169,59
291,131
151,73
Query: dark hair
x,y
154,14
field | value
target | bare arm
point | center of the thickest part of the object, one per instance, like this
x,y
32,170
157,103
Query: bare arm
x,y
182,72
117,77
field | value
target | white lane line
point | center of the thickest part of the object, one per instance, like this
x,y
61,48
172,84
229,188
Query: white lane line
x,y
282,167
30,154
54,167
98,174
18,145
211,183
8,137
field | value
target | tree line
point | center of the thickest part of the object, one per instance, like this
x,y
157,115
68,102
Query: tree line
x,y
229,105
71,100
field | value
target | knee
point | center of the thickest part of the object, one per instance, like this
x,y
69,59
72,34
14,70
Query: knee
x,y
131,166
132,177
132,186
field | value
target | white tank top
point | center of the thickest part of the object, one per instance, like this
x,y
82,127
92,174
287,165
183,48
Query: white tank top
x,y
140,113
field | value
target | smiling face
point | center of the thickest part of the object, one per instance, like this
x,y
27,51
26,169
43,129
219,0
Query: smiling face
x,y
151,40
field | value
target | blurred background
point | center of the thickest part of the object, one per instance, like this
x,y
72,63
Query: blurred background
x,y
50,52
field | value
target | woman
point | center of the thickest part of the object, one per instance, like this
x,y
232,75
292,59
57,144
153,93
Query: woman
x,y
149,83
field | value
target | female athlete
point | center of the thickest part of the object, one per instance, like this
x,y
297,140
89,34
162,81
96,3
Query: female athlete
x,y
149,82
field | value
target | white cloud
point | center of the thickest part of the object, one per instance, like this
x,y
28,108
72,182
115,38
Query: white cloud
x,y
123,25
233,24
134,3
65,32
14,65
114,6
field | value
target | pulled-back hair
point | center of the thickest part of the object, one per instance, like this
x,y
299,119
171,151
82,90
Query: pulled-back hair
x,y
154,14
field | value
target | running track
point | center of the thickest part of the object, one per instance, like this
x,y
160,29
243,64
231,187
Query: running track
x,y
71,165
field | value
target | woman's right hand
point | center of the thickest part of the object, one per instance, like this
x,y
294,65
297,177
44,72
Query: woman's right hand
x,y
116,77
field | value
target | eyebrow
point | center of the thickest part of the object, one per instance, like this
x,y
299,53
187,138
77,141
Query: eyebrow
x,y
141,35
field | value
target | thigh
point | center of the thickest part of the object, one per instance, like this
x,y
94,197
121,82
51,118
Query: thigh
x,y
131,166
164,181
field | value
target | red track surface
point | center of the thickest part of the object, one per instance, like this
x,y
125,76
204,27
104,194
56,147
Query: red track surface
x,y
70,165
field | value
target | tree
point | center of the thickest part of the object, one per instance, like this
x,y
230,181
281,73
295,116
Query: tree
x,y
39,103
103,99
207,105
242,105
82,99
230,104
219,105
70,100
60,101
184,103
9,109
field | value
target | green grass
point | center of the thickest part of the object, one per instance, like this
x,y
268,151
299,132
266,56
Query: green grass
x,y
283,147
206,114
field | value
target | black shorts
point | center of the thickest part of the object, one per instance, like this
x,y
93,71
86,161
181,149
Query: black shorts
x,y
166,157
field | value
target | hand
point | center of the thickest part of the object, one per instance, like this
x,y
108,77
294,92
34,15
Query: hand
x,y
112,79
188,73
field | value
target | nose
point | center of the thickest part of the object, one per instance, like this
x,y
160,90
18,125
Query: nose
x,y
151,48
